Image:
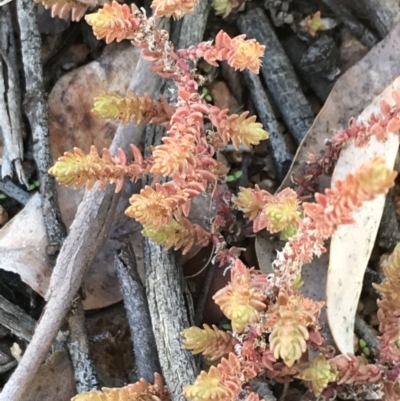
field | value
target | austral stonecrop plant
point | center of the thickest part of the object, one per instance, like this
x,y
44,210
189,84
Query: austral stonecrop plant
x,y
186,156
273,326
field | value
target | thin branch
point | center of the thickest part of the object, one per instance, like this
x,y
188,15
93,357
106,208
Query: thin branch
x,y
170,304
35,106
201,303
280,153
382,14
16,320
169,315
11,115
137,310
8,366
78,348
263,390
278,74
364,331
14,191
37,113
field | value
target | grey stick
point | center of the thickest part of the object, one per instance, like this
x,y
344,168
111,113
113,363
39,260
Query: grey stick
x,y
138,314
278,74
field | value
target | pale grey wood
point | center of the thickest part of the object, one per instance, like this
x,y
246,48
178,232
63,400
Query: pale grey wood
x,y
382,14
280,153
138,314
35,106
16,320
79,351
278,74
165,289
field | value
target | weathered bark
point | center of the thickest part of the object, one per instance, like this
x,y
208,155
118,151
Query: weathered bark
x,y
318,83
10,101
278,74
35,106
364,331
382,14
78,348
165,293
280,153
36,111
15,192
16,320
388,234
8,366
138,314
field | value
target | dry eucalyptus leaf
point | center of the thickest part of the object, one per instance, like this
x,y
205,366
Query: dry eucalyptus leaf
x,y
54,380
353,91
111,346
23,246
351,244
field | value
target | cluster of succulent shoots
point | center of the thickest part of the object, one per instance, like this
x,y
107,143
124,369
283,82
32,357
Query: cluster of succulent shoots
x,y
139,391
273,326
76,9
186,156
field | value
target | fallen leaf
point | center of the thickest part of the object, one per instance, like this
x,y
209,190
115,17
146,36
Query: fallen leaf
x,y
353,91
222,96
111,346
54,380
23,246
351,244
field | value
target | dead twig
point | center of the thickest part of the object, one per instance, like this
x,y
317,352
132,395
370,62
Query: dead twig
x,y
16,320
364,331
388,234
278,74
35,107
280,153
382,14
10,103
37,113
137,311
78,348
15,192
165,289
170,303
8,366
263,390
318,82
198,317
